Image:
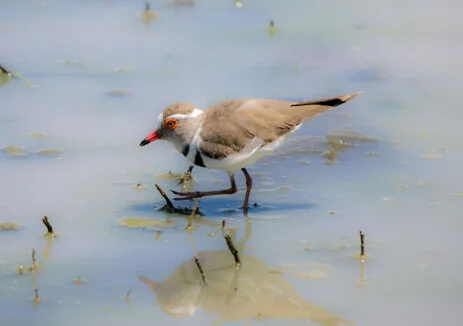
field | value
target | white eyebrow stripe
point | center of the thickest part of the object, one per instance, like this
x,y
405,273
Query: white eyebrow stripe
x,y
160,119
196,112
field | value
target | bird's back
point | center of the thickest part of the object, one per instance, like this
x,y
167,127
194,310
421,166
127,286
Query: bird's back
x,y
229,126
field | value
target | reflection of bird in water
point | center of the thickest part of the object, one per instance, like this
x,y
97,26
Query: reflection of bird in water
x,y
234,294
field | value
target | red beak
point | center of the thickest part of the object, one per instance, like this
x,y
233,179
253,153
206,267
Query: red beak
x,y
151,138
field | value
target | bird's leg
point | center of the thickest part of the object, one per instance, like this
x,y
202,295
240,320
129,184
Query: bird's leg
x,y
248,190
199,194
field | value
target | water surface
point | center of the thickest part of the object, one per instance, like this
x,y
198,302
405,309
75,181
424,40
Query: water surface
x,y
103,77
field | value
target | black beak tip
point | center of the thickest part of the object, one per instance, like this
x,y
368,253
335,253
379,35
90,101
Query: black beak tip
x,y
144,142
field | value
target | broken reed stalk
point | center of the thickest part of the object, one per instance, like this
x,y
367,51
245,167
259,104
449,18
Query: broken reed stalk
x,y
168,202
362,244
201,271
232,249
190,218
47,224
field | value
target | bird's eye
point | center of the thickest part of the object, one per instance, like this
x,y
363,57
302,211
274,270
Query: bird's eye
x,y
171,124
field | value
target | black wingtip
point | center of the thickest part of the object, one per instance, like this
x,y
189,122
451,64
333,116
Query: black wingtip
x,y
332,102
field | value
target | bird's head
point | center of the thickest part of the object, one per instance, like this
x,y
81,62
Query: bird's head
x,y
176,124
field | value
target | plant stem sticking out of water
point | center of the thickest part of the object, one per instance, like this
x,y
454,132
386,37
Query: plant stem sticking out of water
x,y
127,296
170,208
47,224
37,298
272,29
362,246
33,267
163,194
148,15
233,250
201,271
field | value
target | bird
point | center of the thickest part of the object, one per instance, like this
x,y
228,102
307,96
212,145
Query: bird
x,y
235,134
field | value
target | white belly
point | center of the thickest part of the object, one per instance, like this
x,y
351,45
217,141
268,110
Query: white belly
x,y
247,157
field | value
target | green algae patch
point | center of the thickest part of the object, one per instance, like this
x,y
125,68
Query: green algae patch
x,y
14,151
7,226
146,223
119,92
49,152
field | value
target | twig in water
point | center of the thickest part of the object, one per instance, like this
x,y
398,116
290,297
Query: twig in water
x,y
362,244
201,271
190,218
232,249
168,202
47,224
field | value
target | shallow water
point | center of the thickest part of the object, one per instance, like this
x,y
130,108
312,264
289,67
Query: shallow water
x,y
406,196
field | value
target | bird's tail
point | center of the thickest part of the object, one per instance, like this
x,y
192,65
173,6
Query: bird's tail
x,y
331,101
309,109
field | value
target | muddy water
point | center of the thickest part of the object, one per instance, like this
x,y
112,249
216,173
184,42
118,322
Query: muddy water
x,y
96,74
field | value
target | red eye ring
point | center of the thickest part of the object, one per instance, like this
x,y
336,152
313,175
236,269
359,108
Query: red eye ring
x,y
171,124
